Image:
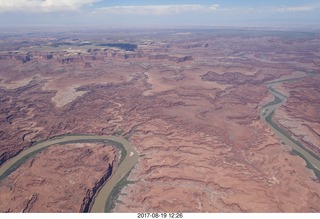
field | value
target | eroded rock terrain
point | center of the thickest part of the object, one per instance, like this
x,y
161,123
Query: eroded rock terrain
x,y
300,115
188,103
62,178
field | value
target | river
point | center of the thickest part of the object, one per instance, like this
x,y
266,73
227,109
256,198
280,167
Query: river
x,y
128,161
130,156
266,113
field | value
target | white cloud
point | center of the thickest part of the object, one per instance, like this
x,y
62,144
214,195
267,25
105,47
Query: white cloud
x,y
43,5
157,9
213,7
302,8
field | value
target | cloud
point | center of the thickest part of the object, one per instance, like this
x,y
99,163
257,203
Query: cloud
x,y
187,8
157,9
302,8
43,5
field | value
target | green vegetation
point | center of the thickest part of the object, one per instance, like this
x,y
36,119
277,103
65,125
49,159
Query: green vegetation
x,y
119,132
64,135
129,134
116,191
309,165
38,141
17,164
123,46
120,147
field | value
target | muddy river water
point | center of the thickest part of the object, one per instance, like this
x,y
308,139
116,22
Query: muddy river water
x,y
266,113
130,156
128,161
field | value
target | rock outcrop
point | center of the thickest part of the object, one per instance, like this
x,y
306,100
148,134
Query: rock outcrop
x,y
187,100
62,178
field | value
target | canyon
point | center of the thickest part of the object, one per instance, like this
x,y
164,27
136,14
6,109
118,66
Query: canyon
x,y
187,100
62,178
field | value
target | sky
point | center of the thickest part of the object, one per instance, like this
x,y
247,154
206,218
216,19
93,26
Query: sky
x,y
160,13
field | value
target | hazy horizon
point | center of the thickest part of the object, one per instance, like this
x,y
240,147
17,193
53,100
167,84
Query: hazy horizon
x,y
162,13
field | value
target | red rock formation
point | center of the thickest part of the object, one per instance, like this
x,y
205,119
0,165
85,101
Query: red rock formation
x,y
195,123
62,178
